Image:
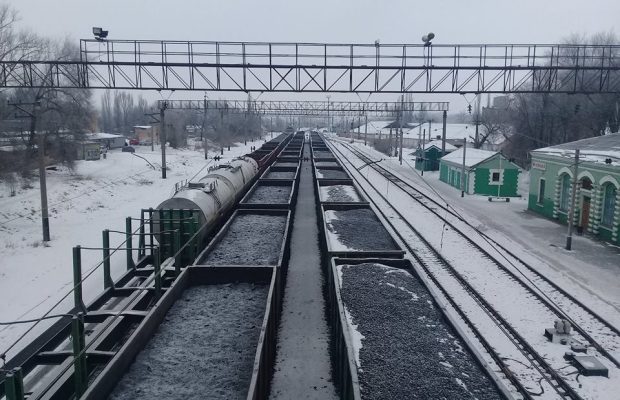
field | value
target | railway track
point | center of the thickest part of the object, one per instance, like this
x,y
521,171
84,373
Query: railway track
x,y
519,361
601,334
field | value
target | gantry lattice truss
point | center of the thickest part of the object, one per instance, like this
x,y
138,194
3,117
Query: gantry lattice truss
x,y
305,108
320,67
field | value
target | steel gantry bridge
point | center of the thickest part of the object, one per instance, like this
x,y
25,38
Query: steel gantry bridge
x,y
320,67
306,108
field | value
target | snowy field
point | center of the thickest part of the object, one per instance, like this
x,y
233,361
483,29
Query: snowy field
x,y
97,195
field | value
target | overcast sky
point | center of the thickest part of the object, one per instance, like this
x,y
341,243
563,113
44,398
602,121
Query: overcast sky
x,y
335,21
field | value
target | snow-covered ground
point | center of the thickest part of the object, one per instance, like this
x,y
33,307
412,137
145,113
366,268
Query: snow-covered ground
x,y
97,195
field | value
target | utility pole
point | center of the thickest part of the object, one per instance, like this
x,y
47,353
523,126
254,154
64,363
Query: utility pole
x,y
366,130
402,117
162,137
430,134
423,153
329,125
463,169
443,133
203,135
36,105
571,214
476,143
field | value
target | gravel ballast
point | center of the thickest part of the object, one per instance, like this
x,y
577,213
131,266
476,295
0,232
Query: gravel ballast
x,y
271,194
280,175
339,193
204,349
408,350
357,229
322,173
251,239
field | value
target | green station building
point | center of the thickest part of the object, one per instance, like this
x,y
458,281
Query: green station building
x,y
487,172
427,159
597,198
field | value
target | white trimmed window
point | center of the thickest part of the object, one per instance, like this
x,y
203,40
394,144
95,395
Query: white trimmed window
x,y
564,192
609,205
541,191
496,176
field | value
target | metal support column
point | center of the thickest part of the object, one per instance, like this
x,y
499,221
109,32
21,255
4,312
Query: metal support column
x,y
443,134
162,138
571,214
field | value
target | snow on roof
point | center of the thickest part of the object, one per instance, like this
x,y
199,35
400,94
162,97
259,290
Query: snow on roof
x,y
374,126
594,149
142,126
437,143
103,135
453,131
472,156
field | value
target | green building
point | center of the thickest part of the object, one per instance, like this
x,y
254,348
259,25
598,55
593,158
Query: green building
x,y
597,198
428,159
486,172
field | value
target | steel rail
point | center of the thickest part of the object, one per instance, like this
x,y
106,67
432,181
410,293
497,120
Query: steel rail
x,y
547,372
546,300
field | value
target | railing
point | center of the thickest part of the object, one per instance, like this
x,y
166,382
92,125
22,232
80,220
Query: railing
x,y
178,235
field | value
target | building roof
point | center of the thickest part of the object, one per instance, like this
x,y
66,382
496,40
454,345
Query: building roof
x,y
143,126
374,127
594,149
103,135
472,156
437,143
453,131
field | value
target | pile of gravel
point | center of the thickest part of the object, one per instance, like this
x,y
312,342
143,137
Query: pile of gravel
x,y
271,194
251,239
205,348
280,175
331,174
410,351
359,229
322,154
339,194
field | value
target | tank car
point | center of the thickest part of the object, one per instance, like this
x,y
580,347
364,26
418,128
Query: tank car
x,y
214,194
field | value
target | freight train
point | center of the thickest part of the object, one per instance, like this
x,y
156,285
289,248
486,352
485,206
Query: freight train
x,y
45,366
222,187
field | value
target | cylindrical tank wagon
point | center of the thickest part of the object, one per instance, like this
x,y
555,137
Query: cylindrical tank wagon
x,y
218,191
215,193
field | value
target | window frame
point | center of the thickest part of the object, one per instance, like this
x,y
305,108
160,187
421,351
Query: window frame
x,y
541,196
606,208
564,193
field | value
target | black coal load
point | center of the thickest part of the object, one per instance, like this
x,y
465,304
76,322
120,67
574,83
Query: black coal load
x,y
321,164
251,239
285,164
359,229
323,173
409,351
271,194
339,194
204,349
280,175
323,154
